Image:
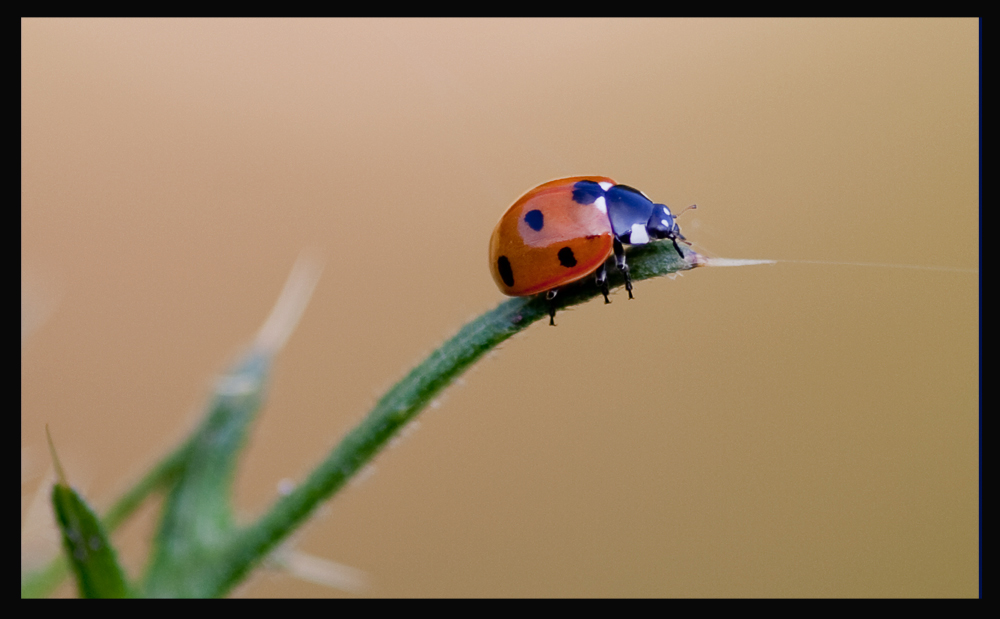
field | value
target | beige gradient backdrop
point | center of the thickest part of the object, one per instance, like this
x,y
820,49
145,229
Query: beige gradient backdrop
x,y
787,430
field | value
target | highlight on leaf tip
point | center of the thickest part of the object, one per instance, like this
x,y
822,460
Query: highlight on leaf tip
x,y
291,302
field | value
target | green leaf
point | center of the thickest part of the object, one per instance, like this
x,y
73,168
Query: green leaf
x,y
42,582
98,574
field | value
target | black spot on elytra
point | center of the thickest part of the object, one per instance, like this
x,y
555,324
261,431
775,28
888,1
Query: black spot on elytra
x,y
586,192
566,257
535,219
506,274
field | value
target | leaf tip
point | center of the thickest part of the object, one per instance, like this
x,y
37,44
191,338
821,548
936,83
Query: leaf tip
x,y
60,473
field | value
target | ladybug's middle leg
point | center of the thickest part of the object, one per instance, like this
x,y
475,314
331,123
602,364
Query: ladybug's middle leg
x,y
601,276
620,261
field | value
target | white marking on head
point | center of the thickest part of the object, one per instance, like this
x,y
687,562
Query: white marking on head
x,y
639,235
605,185
601,205
665,223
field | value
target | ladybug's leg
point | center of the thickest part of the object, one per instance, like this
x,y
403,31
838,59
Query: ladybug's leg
x,y
673,239
620,261
602,281
550,296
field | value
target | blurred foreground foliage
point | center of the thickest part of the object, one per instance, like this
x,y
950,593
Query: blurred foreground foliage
x,y
199,549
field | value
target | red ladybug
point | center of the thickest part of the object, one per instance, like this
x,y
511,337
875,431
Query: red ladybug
x,y
566,229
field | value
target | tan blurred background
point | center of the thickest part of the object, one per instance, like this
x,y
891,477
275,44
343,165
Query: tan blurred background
x,y
786,430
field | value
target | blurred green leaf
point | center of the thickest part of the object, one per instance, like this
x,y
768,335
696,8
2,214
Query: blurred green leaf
x,y
197,516
90,554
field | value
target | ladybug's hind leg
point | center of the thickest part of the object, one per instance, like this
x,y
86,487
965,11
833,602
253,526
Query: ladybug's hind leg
x,y
601,276
620,261
550,297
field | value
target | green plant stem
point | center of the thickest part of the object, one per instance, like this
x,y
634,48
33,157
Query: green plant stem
x,y
163,475
404,400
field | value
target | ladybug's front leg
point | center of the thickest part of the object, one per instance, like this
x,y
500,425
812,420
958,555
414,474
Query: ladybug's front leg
x,y
673,239
620,261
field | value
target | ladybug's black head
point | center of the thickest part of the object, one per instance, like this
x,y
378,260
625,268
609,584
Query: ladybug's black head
x,y
662,225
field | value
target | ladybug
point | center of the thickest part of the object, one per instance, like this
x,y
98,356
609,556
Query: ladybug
x,y
565,230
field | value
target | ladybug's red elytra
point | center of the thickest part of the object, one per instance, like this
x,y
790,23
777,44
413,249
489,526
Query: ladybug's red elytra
x,y
565,230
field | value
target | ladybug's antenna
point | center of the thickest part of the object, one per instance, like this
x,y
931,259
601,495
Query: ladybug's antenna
x,y
693,206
